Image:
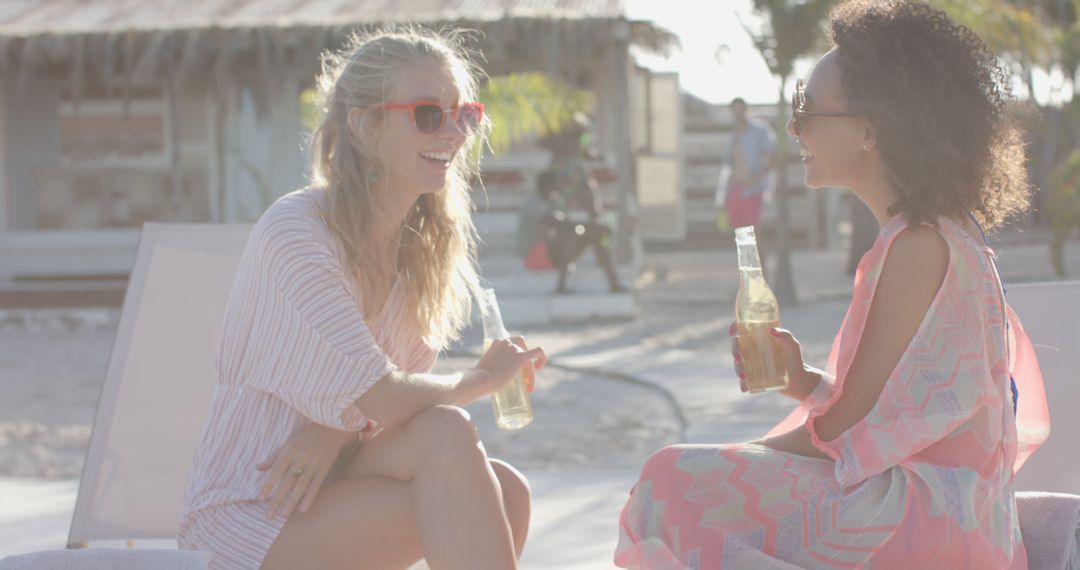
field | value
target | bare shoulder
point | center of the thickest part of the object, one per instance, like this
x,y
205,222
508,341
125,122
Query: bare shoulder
x,y
916,263
920,241
914,271
915,268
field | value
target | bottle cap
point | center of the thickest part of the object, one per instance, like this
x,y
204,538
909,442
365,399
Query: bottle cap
x,y
745,235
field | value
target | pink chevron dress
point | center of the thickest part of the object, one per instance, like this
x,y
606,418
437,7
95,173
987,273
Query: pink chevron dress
x,y
925,480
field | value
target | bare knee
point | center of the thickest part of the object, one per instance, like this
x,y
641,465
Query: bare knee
x,y
445,431
439,435
517,500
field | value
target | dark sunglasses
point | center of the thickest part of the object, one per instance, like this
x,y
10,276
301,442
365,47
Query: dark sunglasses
x,y
799,113
429,117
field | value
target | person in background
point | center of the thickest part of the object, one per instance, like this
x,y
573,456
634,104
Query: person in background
x,y
747,174
538,220
586,224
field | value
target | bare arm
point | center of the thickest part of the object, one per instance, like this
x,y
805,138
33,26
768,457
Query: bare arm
x,y
392,401
398,396
914,271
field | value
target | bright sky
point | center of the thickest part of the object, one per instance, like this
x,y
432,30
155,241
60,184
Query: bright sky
x,y
718,62
709,28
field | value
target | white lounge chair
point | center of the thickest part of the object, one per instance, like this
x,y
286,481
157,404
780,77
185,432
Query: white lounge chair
x,y
157,389
1049,482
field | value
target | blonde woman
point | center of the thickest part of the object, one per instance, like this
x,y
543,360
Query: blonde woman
x,y
329,443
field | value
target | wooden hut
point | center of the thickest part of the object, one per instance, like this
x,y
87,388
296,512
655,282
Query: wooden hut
x,y
118,112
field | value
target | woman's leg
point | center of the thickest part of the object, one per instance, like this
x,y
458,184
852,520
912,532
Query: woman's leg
x,y
597,235
354,523
449,508
354,520
517,500
569,245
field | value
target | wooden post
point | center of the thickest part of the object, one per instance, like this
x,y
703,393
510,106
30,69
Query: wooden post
x,y
783,282
172,143
214,100
286,168
619,57
5,185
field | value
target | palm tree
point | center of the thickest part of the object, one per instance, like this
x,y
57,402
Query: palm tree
x,y
1024,35
1030,35
790,29
525,106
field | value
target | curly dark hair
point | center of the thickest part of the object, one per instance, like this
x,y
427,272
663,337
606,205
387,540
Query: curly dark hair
x,y
941,103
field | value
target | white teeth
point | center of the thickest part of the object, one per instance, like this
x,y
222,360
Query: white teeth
x,y
441,156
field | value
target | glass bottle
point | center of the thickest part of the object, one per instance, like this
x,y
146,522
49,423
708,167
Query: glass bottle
x,y
513,410
756,314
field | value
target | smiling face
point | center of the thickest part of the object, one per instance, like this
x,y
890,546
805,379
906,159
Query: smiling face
x,y
833,148
416,163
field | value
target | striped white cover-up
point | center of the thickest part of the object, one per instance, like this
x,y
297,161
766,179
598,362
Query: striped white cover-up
x,y
295,349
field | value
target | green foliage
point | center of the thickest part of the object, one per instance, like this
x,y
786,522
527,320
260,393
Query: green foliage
x,y
1064,207
1013,29
792,30
525,106
1070,44
310,112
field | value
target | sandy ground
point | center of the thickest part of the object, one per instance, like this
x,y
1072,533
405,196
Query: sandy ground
x,y
52,365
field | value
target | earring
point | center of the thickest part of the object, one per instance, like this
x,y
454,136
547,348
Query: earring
x,y
866,147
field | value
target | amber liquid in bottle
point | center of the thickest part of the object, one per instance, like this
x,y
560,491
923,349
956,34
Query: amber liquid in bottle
x,y
513,410
756,313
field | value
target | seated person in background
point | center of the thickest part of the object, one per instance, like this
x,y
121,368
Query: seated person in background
x,y
537,219
585,223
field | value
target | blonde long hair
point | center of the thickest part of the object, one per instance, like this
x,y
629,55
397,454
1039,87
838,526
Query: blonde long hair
x,y
436,249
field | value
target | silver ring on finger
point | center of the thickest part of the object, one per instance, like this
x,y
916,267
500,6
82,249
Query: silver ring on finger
x,y
296,472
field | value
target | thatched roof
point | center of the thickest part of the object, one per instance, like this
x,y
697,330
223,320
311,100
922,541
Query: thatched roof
x,y
25,17
134,41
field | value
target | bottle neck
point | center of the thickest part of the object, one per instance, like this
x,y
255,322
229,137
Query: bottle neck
x,y
748,256
494,329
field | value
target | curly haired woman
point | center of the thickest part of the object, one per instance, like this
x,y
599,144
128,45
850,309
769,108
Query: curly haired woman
x,y
902,453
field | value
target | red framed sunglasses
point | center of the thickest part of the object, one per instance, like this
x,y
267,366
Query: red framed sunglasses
x,y
429,117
